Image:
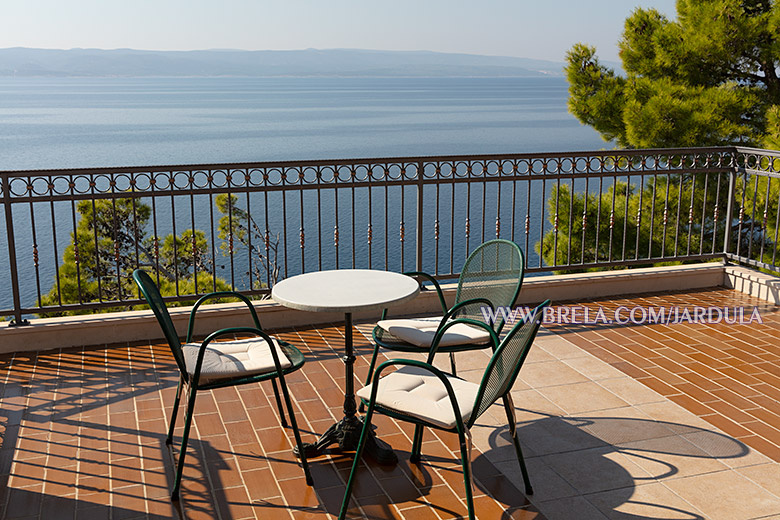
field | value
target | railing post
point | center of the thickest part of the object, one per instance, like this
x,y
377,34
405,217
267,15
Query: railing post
x,y
9,226
730,213
419,231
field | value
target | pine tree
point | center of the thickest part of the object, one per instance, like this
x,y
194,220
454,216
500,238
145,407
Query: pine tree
x,y
110,242
708,78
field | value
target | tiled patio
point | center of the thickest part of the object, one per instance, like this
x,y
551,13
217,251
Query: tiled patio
x,y
629,422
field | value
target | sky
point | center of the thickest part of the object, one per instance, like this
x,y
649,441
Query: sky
x,y
522,28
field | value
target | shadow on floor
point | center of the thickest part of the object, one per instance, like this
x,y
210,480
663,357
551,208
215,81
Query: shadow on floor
x,y
582,453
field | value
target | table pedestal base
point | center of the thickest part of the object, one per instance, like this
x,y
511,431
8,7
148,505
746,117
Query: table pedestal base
x,y
346,433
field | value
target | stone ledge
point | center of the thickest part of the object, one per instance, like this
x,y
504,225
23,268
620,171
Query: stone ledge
x,y
754,283
127,327
578,286
132,326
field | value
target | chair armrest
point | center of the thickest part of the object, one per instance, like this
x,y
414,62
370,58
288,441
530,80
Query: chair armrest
x,y
443,328
230,331
414,363
443,324
436,286
435,283
220,294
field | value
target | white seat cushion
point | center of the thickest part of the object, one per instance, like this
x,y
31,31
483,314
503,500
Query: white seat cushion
x,y
417,392
226,359
421,331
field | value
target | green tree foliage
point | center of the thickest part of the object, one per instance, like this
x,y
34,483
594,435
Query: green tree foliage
x,y
110,242
757,217
184,253
662,218
708,78
237,224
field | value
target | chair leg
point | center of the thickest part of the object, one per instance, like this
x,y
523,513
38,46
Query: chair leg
x,y
509,407
452,364
174,413
371,366
279,403
417,444
464,437
356,462
184,438
296,433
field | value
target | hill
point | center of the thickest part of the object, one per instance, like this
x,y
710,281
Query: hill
x,y
20,61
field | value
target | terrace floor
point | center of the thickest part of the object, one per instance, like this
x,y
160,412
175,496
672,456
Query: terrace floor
x,y
617,421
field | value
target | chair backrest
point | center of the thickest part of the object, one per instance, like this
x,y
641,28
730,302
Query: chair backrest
x,y
501,372
493,271
155,300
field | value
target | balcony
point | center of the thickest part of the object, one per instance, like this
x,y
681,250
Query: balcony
x,y
673,419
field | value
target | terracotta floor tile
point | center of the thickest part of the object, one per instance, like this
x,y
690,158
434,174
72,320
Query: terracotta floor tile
x,y
767,448
734,399
452,475
703,382
315,410
249,456
728,426
241,433
722,358
659,386
128,502
665,375
273,440
232,411
487,507
741,389
435,451
731,411
444,500
767,403
234,503
285,465
696,393
740,373
299,495
419,513
768,431
769,390
310,514
110,428
711,359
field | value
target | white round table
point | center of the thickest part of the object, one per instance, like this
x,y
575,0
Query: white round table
x,y
347,291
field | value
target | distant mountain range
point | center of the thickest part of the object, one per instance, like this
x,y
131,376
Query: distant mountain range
x,y
19,61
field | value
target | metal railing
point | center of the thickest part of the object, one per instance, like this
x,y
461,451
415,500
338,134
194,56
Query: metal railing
x,y
74,236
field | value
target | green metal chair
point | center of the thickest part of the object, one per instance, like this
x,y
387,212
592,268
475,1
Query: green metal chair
x,y
492,276
207,365
422,394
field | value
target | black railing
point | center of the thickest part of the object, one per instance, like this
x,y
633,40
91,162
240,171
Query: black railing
x,y
74,236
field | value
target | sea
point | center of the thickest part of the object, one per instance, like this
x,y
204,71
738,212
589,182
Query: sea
x,y
98,122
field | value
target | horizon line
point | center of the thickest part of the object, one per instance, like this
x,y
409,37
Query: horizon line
x,y
217,49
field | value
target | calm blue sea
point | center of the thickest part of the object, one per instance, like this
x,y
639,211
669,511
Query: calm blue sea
x,y
76,122
93,122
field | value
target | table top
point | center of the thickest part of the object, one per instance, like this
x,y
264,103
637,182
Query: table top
x,y
345,290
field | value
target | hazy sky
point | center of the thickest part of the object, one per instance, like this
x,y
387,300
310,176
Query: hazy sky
x,y
526,28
